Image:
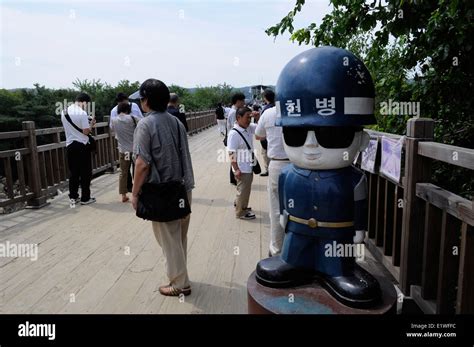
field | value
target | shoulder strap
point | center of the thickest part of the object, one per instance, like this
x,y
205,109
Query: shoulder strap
x,y
68,118
134,120
243,137
179,148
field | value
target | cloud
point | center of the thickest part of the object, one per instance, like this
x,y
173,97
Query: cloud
x,y
187,43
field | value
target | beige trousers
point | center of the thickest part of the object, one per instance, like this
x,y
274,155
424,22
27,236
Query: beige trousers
x,y
173,239
124,172
244,187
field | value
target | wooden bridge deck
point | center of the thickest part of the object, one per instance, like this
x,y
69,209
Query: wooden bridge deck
x,y
83,251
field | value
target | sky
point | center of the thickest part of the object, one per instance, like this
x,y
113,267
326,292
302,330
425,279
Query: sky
x,y
186,42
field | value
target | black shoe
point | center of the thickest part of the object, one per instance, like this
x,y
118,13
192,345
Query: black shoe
x,y
265,174
359,289
274,272
88,202
248,216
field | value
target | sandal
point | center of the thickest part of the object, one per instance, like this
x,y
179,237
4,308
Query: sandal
x,y
169,290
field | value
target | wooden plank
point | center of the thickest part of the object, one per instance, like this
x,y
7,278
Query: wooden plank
x,y
13,134
388,218
386,261
453,204
99,154
378,134
9,177
130,281
50,146
21,176
420,128
73,282
51,168
417,169
427,306
63,164
397,225
91,292
57,160
16,200
33,167
459,156
43,174
56,166
49,131
13,152
106,152
465,294
431,252
380,212
373,181
101,136
448,265
101,124
59,267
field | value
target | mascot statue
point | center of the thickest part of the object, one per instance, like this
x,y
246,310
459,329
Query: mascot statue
x,y
324,97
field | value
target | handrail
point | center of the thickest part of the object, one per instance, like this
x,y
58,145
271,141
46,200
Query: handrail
x,y
33,173
423,234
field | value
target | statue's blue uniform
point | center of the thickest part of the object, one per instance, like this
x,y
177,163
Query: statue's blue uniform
x,y
334,196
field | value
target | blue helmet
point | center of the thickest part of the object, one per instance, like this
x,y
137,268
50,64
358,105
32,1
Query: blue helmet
x,y
325,86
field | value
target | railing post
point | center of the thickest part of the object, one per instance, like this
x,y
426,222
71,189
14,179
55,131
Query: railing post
x,y
417,169
32,166
110,145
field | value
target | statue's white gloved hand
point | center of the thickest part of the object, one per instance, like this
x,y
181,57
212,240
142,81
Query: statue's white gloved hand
x,y
284,219
359,236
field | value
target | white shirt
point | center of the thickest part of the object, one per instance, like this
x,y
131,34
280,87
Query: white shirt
x,y
237,145
226,112
78,117
266,128
135,111
231,118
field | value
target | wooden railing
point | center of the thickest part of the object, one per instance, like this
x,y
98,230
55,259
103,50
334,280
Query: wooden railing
x,y
34,173
421,233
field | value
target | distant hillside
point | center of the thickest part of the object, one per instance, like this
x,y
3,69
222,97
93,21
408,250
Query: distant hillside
x,y
245,90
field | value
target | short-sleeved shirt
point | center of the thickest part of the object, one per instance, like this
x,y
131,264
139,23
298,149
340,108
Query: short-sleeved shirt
x,y
237,145
231,118
274,134
124,127
79,117
156,142
226,112
135,112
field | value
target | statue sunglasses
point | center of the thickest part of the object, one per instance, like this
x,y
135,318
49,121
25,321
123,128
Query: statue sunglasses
x,y
327,137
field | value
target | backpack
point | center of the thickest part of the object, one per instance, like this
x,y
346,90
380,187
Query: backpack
x,y
220,113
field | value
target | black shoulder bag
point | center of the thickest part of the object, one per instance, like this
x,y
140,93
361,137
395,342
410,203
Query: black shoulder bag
x,y
91,145
225,137
255,165
165,201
